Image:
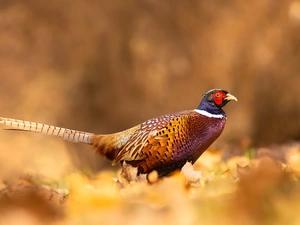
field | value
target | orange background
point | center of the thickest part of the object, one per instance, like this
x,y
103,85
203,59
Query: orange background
x,y
104,66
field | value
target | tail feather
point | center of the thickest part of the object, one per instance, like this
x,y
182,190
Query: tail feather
x,y
67,134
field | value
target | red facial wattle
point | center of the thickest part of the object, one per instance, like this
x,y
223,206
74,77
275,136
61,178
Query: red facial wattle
x,y
218,97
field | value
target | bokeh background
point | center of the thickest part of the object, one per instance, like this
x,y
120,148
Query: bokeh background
x,y
104,66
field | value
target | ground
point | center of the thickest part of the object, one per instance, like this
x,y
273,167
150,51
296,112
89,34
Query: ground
x,y
259,187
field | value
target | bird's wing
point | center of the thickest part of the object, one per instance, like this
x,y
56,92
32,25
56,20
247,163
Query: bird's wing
x,y
155,138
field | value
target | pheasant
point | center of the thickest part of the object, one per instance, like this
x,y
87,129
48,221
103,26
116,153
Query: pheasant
x,y
163,143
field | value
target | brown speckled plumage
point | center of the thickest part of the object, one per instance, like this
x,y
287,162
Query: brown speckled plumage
x,y
163,144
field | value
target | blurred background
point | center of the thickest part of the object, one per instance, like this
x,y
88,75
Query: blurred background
x,y
104,66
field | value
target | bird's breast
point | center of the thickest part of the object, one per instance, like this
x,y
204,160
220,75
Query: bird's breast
x,y
203,131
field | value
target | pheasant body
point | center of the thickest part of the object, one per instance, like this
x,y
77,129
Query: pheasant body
x,y
174,140
163,144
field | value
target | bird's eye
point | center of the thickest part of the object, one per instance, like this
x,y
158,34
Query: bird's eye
x,y
218,95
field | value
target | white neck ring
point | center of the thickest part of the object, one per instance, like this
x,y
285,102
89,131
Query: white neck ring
x,y
210,115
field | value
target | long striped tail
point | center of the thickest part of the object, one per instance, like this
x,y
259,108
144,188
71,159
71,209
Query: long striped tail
x,y
67,134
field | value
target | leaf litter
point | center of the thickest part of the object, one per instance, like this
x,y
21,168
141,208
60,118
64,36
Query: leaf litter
x,y
263,189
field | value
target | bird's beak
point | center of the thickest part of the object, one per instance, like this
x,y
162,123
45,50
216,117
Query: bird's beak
x,y
230,97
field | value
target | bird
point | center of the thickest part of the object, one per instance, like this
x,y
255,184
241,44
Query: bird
x,y
163,144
